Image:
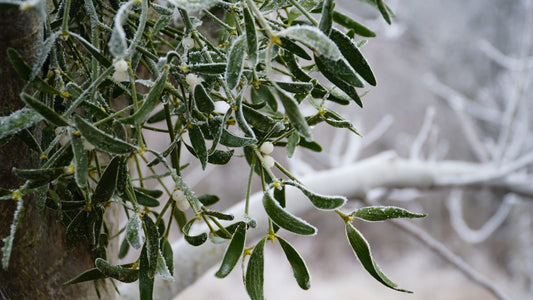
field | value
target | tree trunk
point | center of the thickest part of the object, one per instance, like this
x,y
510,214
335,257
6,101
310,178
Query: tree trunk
x,y
40,262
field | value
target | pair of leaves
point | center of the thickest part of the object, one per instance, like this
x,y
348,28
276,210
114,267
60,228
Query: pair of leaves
x,y
361,247
254,277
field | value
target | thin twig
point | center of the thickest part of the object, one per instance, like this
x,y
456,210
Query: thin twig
x,y
445,253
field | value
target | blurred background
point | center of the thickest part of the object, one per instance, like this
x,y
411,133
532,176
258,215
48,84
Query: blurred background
x,y
454,83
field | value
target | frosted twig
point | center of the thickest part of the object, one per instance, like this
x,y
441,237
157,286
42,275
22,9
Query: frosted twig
x,y
423,135
455,207
487,176
452,258
520,86
458,101
460,106
510,63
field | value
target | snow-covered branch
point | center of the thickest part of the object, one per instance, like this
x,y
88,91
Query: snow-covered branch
x,y
384,170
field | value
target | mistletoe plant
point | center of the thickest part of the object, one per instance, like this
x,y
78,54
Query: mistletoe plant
x,y
92,149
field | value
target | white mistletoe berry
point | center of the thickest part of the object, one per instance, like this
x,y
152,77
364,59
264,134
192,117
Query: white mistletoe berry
x,y
181,200
266,148
192,79
269,161
187,43
120,65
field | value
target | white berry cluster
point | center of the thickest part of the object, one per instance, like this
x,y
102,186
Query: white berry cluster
x,y
121,70
267,148
181,200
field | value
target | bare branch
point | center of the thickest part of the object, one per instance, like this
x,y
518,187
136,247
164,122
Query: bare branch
x,y
445,253
455,207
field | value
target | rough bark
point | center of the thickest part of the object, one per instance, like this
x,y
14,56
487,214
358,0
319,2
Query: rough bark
x,y
40,262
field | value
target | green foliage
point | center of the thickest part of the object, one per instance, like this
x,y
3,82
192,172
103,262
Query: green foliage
x,y
100,81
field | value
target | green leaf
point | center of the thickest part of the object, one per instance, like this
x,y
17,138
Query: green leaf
x,y
293,141
204,103
299,269
336,80
108,182
318,200
168,255
255,272
117,272
313,38
295,87
81,161
198,144
382,213
152,243
251,35
163,21
383,9
219,215
146,282
78,230
295,116
349,23
219,157
194,5
208,200
100,139
233,252
133,231
235,62
362,250
17,121
264,94
353,56
89,275
229,139
293,48
259,121
162,269
326,20
284,219
49,114
196,240
42,175
92,50
151,193
208,68
145,199
124,248
142,114
341,69
25,71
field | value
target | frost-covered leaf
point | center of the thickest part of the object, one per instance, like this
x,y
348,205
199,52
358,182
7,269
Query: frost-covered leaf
x,y
382,213
108,182
117,43
146,282
117,272
233,252
235,62
153,97
162,268
81,161
284,219
313,38
49,114
17,121
362,250
100,139
8,241
318,200
133,231
194,5
255,272
299,268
